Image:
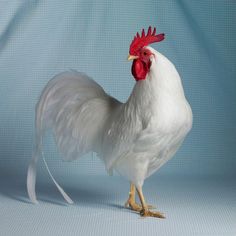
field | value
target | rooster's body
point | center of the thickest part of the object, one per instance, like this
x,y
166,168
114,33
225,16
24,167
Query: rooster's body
x,y
134,138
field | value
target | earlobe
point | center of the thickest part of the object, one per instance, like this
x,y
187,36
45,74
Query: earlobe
x,y
152,57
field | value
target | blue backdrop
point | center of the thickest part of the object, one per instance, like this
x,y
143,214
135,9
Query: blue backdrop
x,y
39,39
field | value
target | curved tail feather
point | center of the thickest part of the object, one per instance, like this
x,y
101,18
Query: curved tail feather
x,y
76,109
63,193
31,174
31,179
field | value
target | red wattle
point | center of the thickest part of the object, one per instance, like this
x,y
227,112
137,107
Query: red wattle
x,y
139,70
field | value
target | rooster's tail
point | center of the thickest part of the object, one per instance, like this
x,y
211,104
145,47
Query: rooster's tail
x,y
76,109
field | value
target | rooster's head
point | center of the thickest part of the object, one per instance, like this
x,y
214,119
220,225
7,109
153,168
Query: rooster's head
x,y
141,54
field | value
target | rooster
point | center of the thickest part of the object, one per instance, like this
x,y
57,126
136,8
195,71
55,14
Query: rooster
x,y
134,138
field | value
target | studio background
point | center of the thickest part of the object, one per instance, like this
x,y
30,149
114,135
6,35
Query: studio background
x,y
39,39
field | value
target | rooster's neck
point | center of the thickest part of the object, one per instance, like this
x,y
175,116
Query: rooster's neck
x,y
162,84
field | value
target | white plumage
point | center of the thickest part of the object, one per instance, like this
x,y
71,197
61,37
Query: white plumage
x,y
134,138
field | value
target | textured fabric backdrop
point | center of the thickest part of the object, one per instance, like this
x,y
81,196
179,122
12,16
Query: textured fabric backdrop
x,y
39,39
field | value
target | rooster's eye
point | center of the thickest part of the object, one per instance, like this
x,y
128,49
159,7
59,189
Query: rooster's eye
x,y
144,53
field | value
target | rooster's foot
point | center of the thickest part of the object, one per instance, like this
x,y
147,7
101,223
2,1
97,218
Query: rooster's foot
x,y
146,212
135,206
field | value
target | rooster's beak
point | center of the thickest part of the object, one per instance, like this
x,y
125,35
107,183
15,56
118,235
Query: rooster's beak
x,y
131,57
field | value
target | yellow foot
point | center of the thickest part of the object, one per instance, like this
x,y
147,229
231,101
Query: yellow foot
x,y
135,206
147,212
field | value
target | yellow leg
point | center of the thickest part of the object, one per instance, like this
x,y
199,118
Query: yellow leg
x,y
145,211
131,200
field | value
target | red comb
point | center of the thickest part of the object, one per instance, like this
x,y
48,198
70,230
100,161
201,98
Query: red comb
x,y
144,40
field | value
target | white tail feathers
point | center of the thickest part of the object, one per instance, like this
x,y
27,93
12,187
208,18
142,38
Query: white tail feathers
x,y
31,175
31,180
63,193
69,106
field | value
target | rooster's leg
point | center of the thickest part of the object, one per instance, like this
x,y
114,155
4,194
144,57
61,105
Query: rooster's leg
x,y
145,210
131,200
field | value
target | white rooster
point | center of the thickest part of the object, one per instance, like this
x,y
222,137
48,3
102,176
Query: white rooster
x,y
134,138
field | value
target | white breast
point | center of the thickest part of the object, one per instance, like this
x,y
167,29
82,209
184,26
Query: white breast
x,y
170,117
152,124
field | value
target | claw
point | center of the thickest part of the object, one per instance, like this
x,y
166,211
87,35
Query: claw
x,y
147,212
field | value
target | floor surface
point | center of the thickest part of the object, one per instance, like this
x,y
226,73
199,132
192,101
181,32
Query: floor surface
x,y
192,207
